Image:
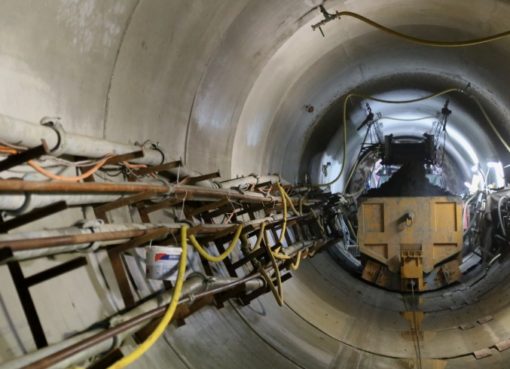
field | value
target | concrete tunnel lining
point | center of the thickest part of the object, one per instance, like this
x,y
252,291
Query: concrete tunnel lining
x,y
223,86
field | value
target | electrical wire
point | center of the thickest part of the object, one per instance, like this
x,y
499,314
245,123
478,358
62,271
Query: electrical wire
x,y
42,170
291,204
422,41
57,177
14,149
221,257
159,330
277,254
284,203
8,150
133,166
500,216
297,262
491,124
278,290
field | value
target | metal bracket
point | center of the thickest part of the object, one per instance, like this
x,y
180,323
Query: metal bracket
x,y
54,123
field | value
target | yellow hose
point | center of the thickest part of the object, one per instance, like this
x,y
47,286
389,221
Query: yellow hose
x,y
289,200
278,255
421,41
295,265
284,202
277,291
212,258
260,237
176,294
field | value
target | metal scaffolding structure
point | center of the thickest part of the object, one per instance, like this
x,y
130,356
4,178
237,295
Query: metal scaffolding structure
x,y
269,224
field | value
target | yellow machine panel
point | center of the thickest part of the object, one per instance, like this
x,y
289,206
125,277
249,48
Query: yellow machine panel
x,y
411,236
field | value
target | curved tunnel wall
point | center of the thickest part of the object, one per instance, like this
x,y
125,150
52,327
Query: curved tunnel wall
x,y
223,85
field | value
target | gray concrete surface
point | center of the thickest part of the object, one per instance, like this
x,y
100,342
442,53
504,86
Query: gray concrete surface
x,y
223,85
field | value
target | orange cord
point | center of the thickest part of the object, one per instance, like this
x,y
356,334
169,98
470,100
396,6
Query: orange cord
x,y
85,175
8,150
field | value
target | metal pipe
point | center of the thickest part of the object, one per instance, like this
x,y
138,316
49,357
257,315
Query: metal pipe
x,y
79,237
221,193
27,134
16,186
85,345
23,133
296,247
188,191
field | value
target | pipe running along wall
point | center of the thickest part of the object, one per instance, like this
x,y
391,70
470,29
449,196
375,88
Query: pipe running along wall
x,y
246,86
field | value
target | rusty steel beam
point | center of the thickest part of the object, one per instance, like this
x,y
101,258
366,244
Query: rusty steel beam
x,y
43,242
16,186
187,191
191,192
125,157
27,303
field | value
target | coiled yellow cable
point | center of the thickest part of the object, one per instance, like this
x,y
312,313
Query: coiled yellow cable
x,y
278,255
422,41
221,257
176,294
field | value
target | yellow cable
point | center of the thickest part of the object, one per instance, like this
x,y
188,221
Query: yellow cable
x,y
260,236
278,291
491,124
176,293
289,200
281,256
295,265
284,202
421,41
301,200
212,258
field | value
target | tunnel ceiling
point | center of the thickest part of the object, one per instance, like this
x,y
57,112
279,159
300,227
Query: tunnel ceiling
x,y
226,85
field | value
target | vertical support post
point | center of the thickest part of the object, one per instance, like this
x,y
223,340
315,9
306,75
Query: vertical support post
x,y
28,304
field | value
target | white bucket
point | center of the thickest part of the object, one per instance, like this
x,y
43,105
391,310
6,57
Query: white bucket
x,y
162,262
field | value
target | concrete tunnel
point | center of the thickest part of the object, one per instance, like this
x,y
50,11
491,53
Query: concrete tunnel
x,y
246,86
